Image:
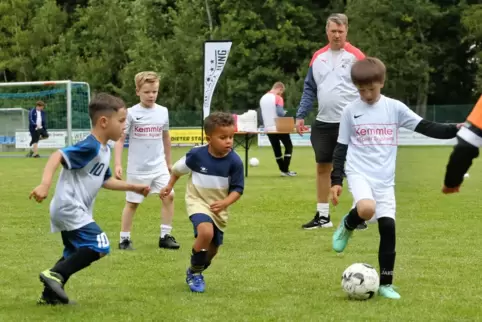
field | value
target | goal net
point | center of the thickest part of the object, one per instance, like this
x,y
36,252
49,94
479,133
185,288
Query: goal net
x,y
66,113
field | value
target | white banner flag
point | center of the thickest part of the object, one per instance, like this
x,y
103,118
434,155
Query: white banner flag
x,y
215,57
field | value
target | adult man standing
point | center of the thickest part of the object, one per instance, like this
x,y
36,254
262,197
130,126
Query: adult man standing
x,y
329,81
37,127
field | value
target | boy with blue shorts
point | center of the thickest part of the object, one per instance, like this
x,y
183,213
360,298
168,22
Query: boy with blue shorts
x,y
216,181
85,171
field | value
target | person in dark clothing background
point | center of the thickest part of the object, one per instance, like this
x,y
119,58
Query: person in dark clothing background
x,y
37,127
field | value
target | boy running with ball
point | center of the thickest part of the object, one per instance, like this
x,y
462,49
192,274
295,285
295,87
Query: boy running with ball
x,y
368,140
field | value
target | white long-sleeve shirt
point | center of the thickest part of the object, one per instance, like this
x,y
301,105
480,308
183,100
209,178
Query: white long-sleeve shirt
x,y
329,80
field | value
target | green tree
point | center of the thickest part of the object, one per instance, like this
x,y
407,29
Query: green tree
x,y
44,33
97,44
472,20
15,18
397,32
453,73
271,41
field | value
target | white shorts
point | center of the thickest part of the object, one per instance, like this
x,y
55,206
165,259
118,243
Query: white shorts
x,y
384,197
155,181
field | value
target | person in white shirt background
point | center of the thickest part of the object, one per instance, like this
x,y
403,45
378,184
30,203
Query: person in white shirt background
x,y
328,80
368,141
272,107
149,158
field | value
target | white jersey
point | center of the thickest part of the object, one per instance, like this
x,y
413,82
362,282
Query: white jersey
x,y
371,133
145,127
86,168
271,107
329,81
268,111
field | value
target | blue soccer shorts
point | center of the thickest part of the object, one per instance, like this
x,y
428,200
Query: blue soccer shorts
x,y
90,236
218,235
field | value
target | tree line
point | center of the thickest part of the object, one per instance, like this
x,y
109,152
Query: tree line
x,y
432,48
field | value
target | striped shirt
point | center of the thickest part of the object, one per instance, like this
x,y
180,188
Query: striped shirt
x,y
210,179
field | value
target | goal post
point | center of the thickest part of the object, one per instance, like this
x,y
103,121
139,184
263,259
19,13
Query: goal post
x,y
66,107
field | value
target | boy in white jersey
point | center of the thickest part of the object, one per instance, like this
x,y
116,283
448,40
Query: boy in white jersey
x,y
149,158
216,181
368,140
85,171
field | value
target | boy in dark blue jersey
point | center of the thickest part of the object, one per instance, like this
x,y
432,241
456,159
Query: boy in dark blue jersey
x,y
216,181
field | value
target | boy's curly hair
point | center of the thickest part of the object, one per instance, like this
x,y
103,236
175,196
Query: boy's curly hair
x,y
217,119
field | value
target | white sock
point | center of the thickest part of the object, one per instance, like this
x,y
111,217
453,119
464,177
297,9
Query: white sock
x,y
165,230
323,209
125,235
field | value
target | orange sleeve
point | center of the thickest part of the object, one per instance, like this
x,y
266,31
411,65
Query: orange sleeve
x,y
475,117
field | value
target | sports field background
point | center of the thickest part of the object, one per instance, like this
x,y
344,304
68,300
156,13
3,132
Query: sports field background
x,y
268,269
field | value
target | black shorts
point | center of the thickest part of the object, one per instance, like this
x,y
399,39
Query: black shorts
x,y
324,137
37,135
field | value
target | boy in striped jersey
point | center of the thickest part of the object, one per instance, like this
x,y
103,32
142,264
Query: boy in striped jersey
x,y
216,181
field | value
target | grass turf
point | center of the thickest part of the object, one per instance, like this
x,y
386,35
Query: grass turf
x,y
268,269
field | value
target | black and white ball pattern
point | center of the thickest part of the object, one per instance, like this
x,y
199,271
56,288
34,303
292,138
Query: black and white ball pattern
x,y
360,281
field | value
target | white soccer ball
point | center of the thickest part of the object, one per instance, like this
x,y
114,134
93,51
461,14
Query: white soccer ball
x,y
253,162
360,281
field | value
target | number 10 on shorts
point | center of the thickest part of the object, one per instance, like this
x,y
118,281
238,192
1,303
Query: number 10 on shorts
x,y
102,241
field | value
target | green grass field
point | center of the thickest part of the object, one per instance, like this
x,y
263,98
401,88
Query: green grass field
x,y
268,269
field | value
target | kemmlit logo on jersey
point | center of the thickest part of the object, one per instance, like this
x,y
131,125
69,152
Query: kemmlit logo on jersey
x,y
376,134
146,131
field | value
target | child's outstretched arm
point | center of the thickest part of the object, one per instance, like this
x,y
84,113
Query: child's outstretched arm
x,y
410,120
437,130
178,169
42,190
119,185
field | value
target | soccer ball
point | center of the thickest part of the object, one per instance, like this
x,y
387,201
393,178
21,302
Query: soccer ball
x,y
360,281
253,162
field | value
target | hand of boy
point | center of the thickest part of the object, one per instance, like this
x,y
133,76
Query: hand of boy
x,y
141,189
335,194
166,191
118,172
40,192
446,190
218,206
